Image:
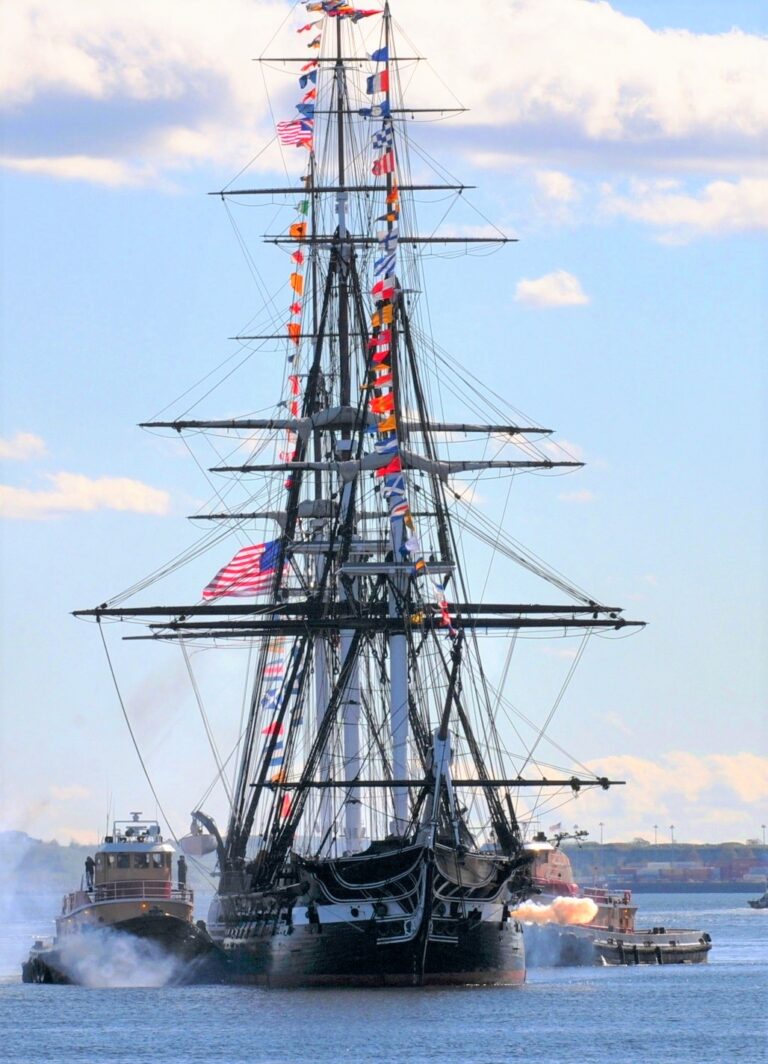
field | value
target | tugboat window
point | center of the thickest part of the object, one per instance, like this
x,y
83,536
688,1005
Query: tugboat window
x,y
123,860
141,860
157,860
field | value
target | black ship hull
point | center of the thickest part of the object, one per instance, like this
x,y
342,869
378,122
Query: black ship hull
x,y
403,917
338,955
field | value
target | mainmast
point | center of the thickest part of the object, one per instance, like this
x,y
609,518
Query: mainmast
x,y
345,248
350,712
376,669
399,578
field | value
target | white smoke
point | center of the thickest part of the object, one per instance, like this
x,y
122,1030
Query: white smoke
x,y
107,958
560,911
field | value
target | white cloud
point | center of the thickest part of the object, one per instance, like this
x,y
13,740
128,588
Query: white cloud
x,y
555,185
172,85
645,98
573,451
721,207
90,94
73,492
556,289
92,51
692,791
22,446
82,168
746,774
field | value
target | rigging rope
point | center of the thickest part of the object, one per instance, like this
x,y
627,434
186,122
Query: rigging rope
x,y
206,723
142,762
558,700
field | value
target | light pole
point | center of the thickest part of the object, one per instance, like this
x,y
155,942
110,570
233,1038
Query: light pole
x,y
655,834
671,832
602,825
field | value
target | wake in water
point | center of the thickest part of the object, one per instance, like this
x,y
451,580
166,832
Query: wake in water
x,y
107,958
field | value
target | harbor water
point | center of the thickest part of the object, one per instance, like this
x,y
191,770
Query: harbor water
x,y
676,1014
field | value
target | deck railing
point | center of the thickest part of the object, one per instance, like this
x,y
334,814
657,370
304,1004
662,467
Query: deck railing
x,y
149,889
607,897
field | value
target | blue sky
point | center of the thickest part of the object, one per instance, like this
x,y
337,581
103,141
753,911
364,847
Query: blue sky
x,y
621,143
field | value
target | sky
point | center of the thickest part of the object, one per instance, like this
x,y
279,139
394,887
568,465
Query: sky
x,y
622,144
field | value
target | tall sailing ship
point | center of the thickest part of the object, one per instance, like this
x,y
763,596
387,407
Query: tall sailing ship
x,y
374,835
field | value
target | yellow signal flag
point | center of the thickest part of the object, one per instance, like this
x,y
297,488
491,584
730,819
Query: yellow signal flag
x,y
297,283
298,230
387,314
389,424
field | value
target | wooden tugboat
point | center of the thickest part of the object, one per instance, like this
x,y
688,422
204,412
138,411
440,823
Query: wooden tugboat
x,y
610,936
127,890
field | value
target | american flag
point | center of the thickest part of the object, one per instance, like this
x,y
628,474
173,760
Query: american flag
x,y
299,131
251,572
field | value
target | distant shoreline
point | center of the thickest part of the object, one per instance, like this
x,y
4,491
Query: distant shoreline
x,y
693,888
29,865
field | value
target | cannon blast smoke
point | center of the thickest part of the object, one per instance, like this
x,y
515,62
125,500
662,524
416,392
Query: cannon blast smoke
x,y
559,911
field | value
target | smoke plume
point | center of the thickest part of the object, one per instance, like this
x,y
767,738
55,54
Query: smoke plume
x,y
113,959
559,911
